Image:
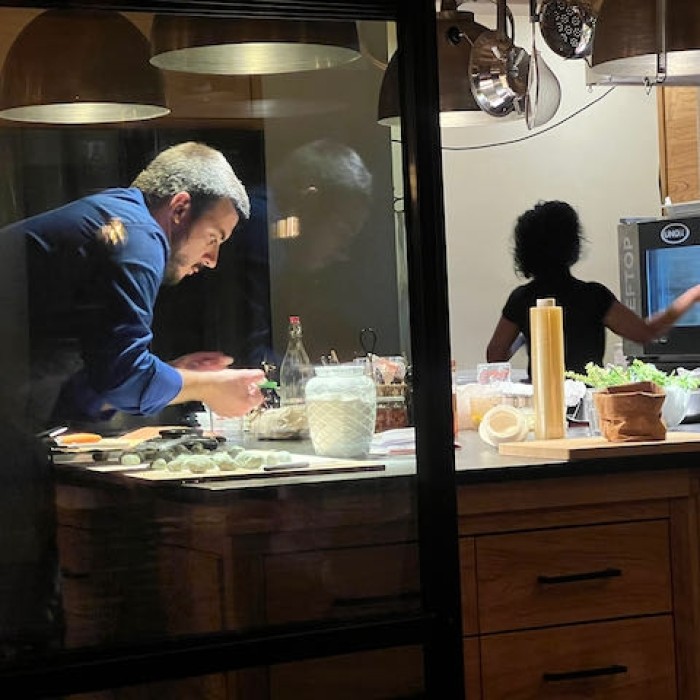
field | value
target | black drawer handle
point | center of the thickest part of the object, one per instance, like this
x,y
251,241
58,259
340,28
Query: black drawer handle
x,y
376,599
613,670
585,576
73,575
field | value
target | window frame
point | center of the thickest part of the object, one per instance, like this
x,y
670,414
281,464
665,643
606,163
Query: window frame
x,y
438,627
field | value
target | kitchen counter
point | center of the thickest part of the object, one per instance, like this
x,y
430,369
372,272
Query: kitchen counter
x,y
150,558
475,462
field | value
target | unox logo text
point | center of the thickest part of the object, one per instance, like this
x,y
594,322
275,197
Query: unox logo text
x,y
673,234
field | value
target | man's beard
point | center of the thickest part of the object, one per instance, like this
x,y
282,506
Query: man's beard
x,y
175,264
172,275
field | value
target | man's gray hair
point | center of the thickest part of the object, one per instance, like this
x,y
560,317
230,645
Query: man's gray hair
x,y
197,169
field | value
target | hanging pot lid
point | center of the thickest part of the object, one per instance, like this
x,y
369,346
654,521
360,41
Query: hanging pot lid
x,y
543,94
543,88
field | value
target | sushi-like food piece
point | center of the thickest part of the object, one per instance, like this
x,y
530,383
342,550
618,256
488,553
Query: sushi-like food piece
x,y
159,464
198,464
250,459
224,461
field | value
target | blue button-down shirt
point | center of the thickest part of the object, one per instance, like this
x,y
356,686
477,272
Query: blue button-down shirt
x,y
94,269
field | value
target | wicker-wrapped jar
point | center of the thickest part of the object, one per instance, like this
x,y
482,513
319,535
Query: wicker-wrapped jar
x,y
341,407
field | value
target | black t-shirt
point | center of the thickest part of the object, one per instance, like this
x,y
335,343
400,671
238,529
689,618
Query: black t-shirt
x,y
584,306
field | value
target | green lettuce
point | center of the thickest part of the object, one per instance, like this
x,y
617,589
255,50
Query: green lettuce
x,y
613,375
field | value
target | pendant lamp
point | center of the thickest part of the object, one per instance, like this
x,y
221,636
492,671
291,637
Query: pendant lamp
x,y
80,67
193,96
654,41
240,46
456,32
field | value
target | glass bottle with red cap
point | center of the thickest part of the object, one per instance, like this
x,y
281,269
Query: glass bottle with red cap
x,y
295,370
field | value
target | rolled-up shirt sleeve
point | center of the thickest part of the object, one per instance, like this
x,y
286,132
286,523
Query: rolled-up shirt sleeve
x,y
146,392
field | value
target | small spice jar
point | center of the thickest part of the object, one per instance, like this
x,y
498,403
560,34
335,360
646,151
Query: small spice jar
x,y
391,413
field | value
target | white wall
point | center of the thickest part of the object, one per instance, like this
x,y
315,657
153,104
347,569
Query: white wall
x,y
604,162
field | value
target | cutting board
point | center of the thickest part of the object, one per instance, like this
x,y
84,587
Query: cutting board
x,y
329,466
596,447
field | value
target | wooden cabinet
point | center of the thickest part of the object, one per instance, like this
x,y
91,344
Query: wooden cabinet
x,y
585,596
578,574
341,583
110,576
582,611
621,660
389,673
178,569
679,143
572,587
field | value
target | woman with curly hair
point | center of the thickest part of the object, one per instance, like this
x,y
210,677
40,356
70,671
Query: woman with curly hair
x,y
547,243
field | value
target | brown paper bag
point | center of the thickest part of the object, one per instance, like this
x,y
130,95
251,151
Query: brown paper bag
x,y
631,412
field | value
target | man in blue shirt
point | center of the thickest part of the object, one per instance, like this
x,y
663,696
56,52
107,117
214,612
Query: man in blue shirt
x,y
94,268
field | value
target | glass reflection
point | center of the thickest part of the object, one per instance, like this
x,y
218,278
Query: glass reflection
x,y
93,553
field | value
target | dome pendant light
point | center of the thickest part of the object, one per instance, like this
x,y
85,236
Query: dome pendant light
x,y
80,67
218,46
648,42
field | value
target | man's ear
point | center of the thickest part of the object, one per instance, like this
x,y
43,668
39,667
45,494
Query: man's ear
x,y
180,206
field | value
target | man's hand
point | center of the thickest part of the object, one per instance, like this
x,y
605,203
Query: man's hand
x,y
203,361
227,392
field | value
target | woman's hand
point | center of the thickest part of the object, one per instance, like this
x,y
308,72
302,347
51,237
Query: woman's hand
x,y
205,360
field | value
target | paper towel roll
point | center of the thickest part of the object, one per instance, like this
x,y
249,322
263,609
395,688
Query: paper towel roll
x,y
547,367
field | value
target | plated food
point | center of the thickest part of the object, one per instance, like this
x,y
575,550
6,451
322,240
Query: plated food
x,y
77,439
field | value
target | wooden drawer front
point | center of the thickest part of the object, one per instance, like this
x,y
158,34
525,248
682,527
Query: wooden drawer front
x,y
111,587
77,551
623,660
574,574
341,583
192,591
374,675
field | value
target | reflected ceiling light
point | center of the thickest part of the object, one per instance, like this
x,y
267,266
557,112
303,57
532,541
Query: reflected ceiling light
x,y
654,41
80,67
240,46
456,32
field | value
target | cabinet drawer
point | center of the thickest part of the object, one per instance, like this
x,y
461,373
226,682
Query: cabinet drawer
x,y
341,583
373,675
573,574
623,660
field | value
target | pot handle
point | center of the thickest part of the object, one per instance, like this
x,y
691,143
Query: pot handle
x,y
504,14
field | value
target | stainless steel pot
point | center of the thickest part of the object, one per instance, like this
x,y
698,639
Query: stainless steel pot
x,y
498,69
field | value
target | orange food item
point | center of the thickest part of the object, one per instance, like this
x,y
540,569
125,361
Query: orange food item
x,y
78,438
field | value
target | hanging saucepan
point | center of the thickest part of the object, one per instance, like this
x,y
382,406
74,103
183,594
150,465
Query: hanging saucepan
x,y
498,69
567,26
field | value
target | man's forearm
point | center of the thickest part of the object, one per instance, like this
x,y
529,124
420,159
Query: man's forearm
x,y
228,392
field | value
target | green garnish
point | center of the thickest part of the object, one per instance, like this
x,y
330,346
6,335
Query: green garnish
x,y
612,375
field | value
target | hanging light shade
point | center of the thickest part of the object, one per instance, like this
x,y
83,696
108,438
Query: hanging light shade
x,y
239,46
244,97
635,38
80,67
456,32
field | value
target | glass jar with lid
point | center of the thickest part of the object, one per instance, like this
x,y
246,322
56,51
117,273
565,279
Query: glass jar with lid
x,y
341,407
